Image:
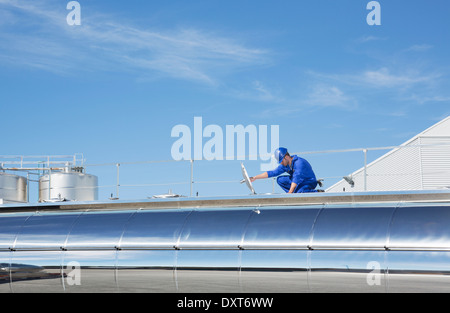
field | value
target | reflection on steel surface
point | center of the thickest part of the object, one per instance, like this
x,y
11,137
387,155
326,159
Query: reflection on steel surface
x,y
343,247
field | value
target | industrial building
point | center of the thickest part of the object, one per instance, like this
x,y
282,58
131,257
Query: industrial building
x,y
365,241
421,163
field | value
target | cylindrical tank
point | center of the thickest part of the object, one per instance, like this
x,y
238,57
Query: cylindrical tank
x,y
68,185
13,188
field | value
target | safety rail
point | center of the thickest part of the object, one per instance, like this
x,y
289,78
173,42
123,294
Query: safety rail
x,y
155,177
41,162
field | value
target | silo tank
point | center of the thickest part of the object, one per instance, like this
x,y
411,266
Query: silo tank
x,y
70,186
13,188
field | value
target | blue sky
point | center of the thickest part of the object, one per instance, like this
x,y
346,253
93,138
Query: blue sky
x,y
113,87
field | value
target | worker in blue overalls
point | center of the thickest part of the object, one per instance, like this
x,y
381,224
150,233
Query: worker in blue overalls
x,y
301,175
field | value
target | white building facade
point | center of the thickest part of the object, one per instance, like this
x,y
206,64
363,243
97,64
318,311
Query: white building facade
x,y
421,163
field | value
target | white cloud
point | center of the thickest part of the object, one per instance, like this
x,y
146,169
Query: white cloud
x,y
263,93
421,99
318,96
102,43
419,48
329,96
382,77
369,38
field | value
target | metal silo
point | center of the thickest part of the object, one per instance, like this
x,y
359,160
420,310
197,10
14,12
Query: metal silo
x,y
13,188
68,186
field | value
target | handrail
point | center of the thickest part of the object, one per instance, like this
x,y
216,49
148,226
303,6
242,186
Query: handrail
x,y
48,163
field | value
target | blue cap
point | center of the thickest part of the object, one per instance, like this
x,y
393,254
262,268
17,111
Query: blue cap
x,y
280,153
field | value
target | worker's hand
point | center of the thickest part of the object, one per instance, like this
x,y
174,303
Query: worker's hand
x,y
293,186
260,176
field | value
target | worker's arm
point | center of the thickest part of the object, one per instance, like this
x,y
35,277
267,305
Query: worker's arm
x,y
260,176
293,186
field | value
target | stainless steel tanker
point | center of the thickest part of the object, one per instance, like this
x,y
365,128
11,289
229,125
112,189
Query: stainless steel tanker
x,y
362,242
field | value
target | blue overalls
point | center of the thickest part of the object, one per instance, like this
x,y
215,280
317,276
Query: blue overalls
x,y
300,172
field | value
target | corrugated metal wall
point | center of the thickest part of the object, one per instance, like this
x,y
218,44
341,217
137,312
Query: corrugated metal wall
x,y
435,162
421,163
400,169
393,173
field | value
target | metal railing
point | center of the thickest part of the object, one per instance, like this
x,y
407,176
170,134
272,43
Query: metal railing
x,y
40,162
361,155
193,176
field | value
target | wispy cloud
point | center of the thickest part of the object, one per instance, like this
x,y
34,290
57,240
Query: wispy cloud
x,y
381,77
329,96
318,96
369,38
353,91
419,48
263,93
44,40
384,77
422,99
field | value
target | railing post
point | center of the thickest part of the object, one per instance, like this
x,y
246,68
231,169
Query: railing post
x,y
365,169
49,183
192,177
28,186
118,182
